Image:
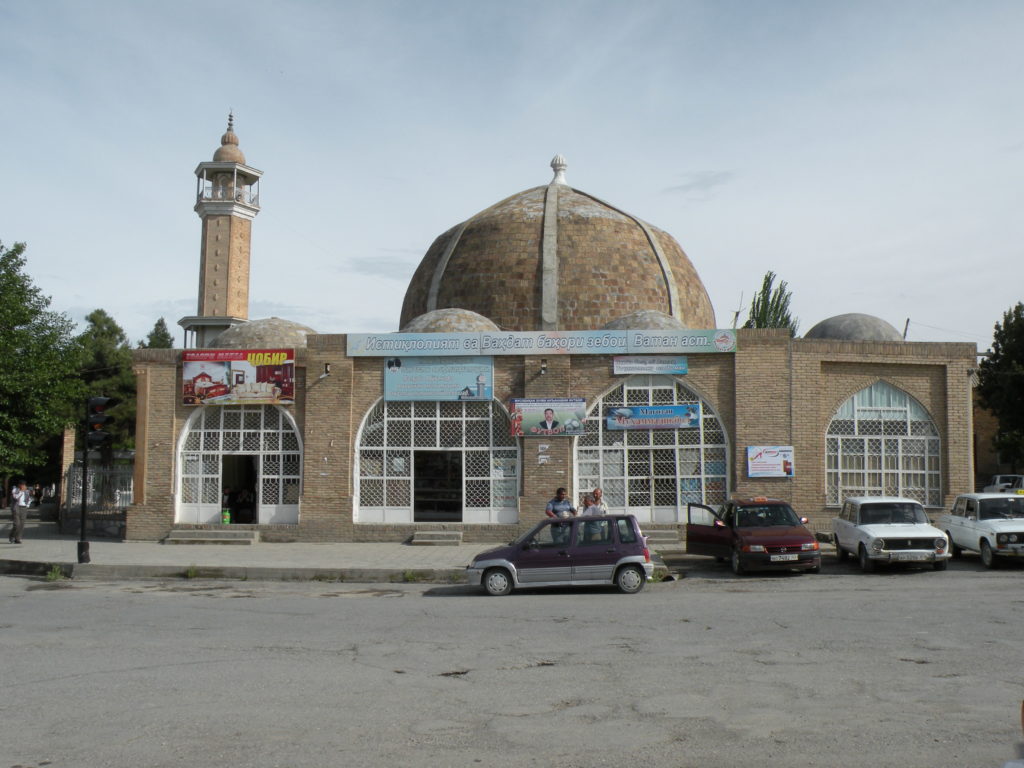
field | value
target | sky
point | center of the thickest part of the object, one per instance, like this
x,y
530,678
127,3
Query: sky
x,y
869,153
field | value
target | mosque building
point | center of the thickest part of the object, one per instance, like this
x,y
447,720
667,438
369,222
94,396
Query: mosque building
x,y
550,340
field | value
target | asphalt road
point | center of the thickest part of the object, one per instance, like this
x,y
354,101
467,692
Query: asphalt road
x,y
908,668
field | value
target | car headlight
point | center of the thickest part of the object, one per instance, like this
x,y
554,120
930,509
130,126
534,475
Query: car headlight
x,y
876,545
1013,538
1002,538
940,542
754,548
809,545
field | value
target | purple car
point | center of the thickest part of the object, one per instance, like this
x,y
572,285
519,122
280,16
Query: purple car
x,y
594,550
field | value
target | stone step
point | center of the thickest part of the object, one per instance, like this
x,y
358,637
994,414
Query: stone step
x,y
198,536
436,538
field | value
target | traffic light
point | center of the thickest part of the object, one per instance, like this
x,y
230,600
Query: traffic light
x,y
96,417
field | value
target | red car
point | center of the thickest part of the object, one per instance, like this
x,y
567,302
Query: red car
x,y
757,534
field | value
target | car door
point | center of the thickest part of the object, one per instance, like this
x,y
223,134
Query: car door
x,y
970,524
955,522
545,557
708,532
595,550
843,527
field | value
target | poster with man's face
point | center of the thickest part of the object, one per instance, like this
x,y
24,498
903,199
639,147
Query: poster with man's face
x,y
553,417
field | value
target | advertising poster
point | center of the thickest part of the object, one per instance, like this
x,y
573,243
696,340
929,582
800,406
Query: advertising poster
x,y
238,376
769,461
654,417
623,365
555,417
430,378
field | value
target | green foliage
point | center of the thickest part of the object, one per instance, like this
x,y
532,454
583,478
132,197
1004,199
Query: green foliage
x,y
39,376
1001,382
107,372
770,306
159,338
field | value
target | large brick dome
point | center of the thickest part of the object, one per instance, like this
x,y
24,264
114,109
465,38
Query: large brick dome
x,y
556,258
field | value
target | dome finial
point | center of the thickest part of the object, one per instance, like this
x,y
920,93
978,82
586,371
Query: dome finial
x,y
228,150
558,165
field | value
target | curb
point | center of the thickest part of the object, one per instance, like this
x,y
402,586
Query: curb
x,y
236,573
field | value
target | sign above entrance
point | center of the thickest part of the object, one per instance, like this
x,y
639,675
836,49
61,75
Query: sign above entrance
x,y
553,417
238,376
629,364
431,378
654,417
540,343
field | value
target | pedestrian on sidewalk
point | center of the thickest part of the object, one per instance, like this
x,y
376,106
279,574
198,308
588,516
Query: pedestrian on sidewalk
x,y
21,497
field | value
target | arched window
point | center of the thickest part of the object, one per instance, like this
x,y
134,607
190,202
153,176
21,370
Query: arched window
x,y
653,473
236,447
436,461
883,442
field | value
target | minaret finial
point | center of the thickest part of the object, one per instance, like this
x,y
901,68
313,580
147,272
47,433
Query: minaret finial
x,y
558,165
231,120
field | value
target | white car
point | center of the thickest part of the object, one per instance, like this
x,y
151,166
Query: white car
x,y
888,529
991,524
1003,483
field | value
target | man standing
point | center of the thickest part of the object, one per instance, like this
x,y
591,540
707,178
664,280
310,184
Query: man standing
x,y
560,506
20,499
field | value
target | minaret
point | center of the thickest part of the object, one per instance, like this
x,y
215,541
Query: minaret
x,y
227,200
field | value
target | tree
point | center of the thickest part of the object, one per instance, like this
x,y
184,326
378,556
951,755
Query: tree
x,y
107,372
770,307
159,337
39,378
1001,382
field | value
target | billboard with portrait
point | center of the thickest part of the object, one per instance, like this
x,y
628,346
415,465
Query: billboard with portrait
x,y
551,417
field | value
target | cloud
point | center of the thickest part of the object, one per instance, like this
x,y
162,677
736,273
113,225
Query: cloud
x,y
701,185
394,267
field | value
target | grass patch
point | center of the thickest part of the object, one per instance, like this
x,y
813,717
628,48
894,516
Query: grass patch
x,y
191,572
56,573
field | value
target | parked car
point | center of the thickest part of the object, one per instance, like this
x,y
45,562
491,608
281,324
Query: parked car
x,y
991,524
1003,483
756,534
885,529
559,552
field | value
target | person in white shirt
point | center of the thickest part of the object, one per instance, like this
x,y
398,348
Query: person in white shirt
x,y
21,497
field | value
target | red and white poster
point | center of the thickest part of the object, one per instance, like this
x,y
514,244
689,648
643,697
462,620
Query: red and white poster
x,y
238,376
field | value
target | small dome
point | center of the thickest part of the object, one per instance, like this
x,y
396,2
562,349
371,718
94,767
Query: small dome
x,y
645,320
854,327
268,333
451,320
229,151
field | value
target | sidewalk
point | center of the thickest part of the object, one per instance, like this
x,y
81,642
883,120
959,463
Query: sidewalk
x,y
43,547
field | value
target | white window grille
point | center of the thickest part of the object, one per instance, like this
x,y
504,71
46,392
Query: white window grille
x,y
883,442
393,431
265,432
653,473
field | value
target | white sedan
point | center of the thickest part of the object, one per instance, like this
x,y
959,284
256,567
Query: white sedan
x,y
991,524
885,529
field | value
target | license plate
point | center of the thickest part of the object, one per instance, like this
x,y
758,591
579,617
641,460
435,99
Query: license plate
x,y
784,558
911,556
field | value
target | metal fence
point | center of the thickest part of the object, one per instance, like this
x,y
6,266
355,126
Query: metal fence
x,y
109,488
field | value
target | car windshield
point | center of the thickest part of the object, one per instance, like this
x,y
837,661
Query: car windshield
x,y
766,515
882,514
1002,509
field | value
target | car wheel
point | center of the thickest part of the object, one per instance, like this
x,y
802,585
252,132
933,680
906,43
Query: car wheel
x,y
954,550
630,579
497,581
940,565
988,557
737,564
866,563
841,554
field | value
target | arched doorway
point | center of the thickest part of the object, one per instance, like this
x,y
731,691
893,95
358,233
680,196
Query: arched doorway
x,y
252,448
654,473
430,461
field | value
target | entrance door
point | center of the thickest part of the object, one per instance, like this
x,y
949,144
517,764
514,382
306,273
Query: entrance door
x,y
240,479
437,487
